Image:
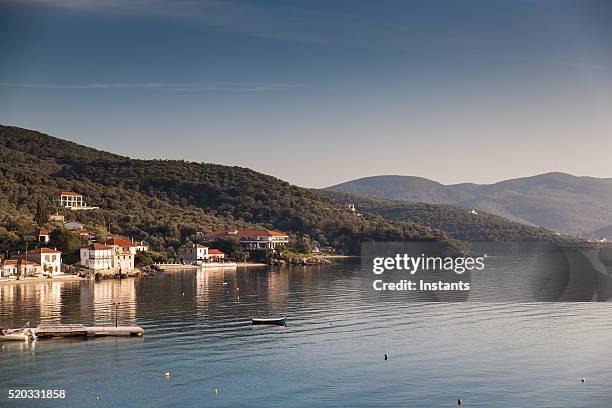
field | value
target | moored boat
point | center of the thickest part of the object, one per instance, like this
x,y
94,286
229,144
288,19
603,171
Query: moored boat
x,y
279,321
13,335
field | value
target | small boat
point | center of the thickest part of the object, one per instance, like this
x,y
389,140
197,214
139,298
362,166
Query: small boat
x,y
279,321
13,335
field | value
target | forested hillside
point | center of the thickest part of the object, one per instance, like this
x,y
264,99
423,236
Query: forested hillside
x,y
460,223
167,202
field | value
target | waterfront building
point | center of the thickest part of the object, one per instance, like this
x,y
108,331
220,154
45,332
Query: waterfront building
x,y
12,267
252,240
197,254
107,257
97,257
49,259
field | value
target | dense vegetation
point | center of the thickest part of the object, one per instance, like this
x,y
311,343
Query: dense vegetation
x,y
168,202
460,223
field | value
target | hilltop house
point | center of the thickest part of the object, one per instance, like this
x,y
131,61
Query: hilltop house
x,y
197,254
12,267
252,240
74,201
49,259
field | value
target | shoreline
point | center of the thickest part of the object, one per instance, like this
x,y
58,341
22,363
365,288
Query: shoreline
x,y
336,256
170,267
43,279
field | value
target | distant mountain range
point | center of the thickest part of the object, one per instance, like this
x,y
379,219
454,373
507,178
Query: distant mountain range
x,y
169,202
557,201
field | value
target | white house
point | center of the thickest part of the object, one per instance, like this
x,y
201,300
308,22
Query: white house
x,y
73,226
43,236
260,239
69,199
199,254
49,259
11,267
74,201
107,257
57,217
97,257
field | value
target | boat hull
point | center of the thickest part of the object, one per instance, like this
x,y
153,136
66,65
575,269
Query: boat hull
x,y
281,321
14,337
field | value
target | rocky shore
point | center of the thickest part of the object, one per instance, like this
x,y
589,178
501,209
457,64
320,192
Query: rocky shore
x,y
300,260
152,270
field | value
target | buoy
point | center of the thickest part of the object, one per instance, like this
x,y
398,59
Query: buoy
x,y
583,380
97,398
459,401
167,375
386,357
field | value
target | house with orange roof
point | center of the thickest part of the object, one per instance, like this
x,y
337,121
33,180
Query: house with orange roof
x,y
252,239
16,267
197,254
127,245
49,259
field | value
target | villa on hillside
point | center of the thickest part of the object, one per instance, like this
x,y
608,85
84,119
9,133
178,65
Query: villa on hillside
x,y
252,240
74,201
43,236
197,254
57,217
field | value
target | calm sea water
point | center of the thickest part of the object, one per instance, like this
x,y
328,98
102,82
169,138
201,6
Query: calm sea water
x,y
330,355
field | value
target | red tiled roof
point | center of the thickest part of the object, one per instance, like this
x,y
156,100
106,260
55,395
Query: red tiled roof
x,y
215,252
246,233
98,247
69,193
43,232
11,262
120,242
44,251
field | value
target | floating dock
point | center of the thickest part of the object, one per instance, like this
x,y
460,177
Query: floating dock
x,y
78,330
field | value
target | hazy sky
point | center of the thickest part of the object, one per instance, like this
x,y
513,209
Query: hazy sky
x,y
320,92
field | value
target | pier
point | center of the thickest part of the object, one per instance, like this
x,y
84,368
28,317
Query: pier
x,y
78,330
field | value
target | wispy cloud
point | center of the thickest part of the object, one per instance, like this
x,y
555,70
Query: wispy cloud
x,y
165,86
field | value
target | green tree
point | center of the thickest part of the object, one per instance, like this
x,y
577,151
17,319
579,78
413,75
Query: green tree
x,y
41,216
230,247
65,240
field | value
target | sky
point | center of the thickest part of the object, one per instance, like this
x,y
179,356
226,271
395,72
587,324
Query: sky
x,y
320,92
